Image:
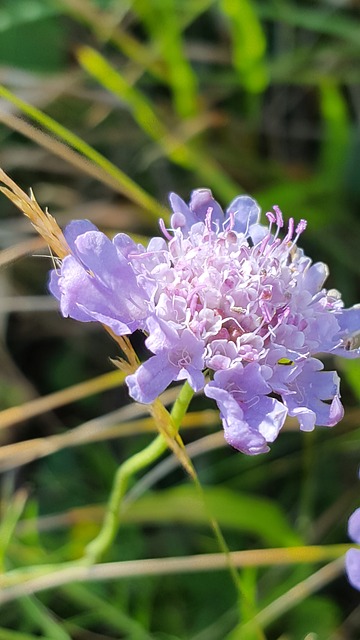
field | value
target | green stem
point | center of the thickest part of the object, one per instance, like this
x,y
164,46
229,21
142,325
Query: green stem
x,y
103,541
181,405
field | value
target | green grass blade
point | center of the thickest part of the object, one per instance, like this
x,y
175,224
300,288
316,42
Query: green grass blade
x,y
9,521
105,26
43,618
128,186
111,613
98,67
144,113
248,44
337,131
162,19
328,21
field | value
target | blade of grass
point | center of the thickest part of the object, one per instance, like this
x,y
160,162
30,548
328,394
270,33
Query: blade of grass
x,y
25,304
128,187
328,20
144,114
110,612
65,153
297,594
9,521
99,68
30,409
248,44
43,618
162,20
20,250
336,138
104,25
19,453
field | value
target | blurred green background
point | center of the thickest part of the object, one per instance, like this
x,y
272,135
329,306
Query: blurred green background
x,y
105,107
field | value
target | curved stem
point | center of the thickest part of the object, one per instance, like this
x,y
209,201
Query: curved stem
x,y
97,547
181,405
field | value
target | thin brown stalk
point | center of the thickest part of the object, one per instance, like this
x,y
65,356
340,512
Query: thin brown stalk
x,y
301,591
60,149
14,415
20,453
20,250
50,577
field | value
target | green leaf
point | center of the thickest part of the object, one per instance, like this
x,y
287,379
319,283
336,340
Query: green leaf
x,y
231,509
14,14
10,634
23,26
316,617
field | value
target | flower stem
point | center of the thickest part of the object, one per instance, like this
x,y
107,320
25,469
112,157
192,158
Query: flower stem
x,y
99,545
181,405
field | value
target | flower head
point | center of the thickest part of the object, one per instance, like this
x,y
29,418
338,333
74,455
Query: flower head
x,y
225,294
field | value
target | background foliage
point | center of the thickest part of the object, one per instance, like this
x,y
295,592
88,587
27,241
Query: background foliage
x,y
106,106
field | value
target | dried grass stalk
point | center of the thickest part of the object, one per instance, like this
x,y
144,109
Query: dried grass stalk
x,y
42,221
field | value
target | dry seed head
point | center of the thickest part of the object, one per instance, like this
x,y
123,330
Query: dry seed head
x,y
42,221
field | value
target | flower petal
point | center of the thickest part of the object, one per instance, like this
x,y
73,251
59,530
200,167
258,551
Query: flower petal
x,y
151,379
352,566
250,418
354,526
246,212
201,202
313,396
75,229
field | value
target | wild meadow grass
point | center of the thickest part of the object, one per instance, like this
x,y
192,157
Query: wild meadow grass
x,y
106,107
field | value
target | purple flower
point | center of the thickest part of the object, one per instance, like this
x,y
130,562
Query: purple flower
x,y
224,293
352,559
